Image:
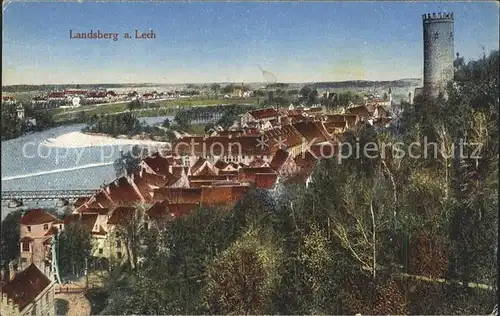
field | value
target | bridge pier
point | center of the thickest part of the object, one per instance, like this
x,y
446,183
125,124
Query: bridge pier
x,y
15,203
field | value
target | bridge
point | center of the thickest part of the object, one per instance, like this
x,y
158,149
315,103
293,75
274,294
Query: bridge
x,y
46,194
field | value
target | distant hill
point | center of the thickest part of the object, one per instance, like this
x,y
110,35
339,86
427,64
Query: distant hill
x,y
352,84
400,83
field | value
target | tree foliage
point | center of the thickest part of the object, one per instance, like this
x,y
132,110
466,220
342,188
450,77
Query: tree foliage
x,y
385,235
74,249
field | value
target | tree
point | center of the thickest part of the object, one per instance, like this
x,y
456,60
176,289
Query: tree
x,y
215,87
74,249
12,126
166,123
228,89
134,104
9,237
129,162
131,230
243,278
183,119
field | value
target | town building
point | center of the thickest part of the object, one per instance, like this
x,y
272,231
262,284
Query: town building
x,y
28,292
36,229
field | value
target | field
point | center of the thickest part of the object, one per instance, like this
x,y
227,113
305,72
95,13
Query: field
x,y
164,107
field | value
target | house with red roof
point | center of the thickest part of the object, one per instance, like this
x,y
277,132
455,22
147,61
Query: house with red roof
x,y
260,116
57,96
29,292
36,228
8,99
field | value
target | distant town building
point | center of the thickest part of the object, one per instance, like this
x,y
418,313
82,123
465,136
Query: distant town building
x,y
20,111
7,99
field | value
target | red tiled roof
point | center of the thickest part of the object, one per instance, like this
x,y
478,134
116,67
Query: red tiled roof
x,y
360,110
219,164
221,195
314,110
279,159
80,201
197,165
111,93
223,146
56,95
178,195
312,131
257,162
289,136
88,220
332,126
36,217
228,173
97,210
158,164
122,192
146,183
26,286
102,199
75,92
205,171
265,180
52,231
248,174
263,113
121,215
324,150
212,177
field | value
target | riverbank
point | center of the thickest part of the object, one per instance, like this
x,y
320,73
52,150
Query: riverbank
x,y
81,140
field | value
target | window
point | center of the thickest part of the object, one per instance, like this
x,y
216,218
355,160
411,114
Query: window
x,y
33,311
26,246
23,260
28,228
101,251
60,226
146,226
45,226
119,254
118,244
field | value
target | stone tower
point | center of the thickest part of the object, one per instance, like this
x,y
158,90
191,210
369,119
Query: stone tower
x,y
438,52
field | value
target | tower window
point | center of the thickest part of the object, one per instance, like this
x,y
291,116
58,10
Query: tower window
x,y
436,35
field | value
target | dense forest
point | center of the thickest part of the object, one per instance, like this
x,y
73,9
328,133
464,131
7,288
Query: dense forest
x,y
388,235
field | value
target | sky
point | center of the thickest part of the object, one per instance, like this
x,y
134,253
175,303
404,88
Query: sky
x,y
227,41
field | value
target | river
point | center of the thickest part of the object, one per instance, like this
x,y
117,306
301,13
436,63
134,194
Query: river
x,y
28,163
